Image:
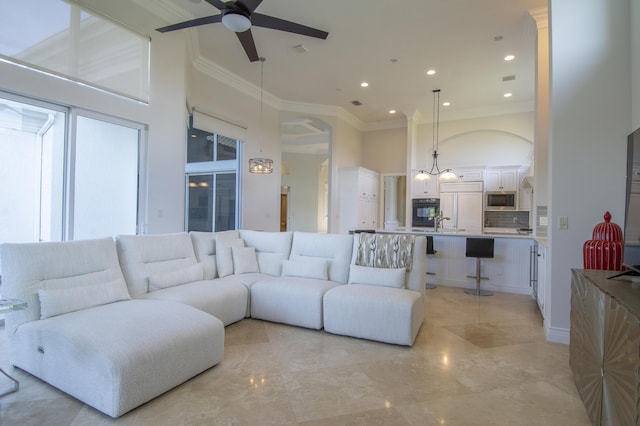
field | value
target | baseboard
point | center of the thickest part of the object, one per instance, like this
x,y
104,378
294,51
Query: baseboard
x,y
557,335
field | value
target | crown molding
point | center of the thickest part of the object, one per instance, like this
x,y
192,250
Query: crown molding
x,y
541,16
230,79
318,109
396,123
165,9
485,111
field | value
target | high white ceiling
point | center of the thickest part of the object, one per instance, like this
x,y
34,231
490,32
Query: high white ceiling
x,y
389,44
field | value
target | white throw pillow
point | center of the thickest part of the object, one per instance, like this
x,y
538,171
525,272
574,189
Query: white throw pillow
x,y
58,301
270,263
179,276
386,277
224,257
318,269
244,260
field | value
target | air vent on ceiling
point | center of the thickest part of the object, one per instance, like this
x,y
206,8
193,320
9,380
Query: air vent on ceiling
x,y
356,103
508,77
300,48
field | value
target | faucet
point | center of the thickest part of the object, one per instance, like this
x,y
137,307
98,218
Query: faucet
x,y
438,221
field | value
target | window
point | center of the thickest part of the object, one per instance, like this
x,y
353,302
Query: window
x,y
62,39
65,173
212,181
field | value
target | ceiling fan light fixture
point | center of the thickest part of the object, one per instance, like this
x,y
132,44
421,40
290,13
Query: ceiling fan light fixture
x,y
236,22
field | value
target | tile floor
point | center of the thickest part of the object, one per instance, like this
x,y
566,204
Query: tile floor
x,y
476,361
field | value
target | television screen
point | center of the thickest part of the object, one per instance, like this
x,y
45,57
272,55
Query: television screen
x,y
632,210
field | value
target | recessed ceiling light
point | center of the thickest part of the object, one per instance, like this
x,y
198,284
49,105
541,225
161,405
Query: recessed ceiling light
x,y
446,104
431,72
392,111
364,84
509,58
508,95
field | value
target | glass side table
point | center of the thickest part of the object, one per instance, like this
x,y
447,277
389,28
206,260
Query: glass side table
x,y
10,305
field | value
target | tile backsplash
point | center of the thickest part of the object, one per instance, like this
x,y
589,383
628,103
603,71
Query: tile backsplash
x,y
506,219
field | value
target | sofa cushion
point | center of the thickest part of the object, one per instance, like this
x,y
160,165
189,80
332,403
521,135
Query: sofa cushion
x,y
142,256
225,300
308,268
334,248
224,256
384,314
118,356
204,245
386,277
176,277
26,267
290,300
244,260
272,248
66,296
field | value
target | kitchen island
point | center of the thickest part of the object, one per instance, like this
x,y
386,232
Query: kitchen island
x,y
510,270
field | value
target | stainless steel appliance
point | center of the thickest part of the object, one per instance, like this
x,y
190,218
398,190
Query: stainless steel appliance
x,y
424,212
501,200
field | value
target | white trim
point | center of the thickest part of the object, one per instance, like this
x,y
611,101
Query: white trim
x,y
557,335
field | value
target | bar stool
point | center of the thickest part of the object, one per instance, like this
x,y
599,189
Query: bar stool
x,y
430,251
480,248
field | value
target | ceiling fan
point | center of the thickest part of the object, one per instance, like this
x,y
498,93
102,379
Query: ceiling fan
x,y
239,16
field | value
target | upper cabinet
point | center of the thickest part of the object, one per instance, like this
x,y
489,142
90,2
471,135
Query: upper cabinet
x,y
358,199
501,179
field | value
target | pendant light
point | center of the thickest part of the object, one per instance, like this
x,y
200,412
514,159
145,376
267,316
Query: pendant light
x,y
446,174
262,166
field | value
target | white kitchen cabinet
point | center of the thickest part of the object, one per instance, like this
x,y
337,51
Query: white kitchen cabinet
x,y
425,188
501,180
358,199
542,278
470,175
464,210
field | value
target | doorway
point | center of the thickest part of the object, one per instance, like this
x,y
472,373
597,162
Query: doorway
x,y
284,208
306,172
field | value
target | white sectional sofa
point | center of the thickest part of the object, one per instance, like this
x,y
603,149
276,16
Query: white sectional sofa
x,y
117,323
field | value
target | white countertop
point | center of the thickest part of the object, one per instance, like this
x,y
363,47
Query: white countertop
x,y
492,232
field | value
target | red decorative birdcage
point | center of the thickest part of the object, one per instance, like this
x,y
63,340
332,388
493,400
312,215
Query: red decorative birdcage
x,y
604,251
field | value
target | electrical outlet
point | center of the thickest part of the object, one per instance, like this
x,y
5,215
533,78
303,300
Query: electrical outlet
x,y
544,221
515,219
563,222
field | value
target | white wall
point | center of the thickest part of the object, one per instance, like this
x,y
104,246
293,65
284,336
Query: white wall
x,y
485,141
590,108
385,151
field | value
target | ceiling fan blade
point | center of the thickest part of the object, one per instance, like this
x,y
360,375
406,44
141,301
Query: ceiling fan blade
x,y
251,4
191,23
218,4
265,21
249,45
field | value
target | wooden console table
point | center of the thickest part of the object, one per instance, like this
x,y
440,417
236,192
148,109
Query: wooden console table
x,y
604,351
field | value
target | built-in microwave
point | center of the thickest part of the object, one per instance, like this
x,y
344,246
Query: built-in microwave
x,y
501,200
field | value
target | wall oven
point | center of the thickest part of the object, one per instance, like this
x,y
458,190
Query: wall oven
x,y
424,212
501,200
